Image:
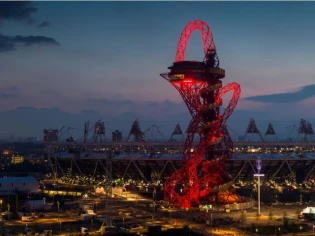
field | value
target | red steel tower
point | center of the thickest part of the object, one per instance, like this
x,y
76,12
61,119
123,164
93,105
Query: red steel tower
x,y
200,85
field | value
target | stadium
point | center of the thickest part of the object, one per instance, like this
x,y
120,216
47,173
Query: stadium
x,y
142,162
288,166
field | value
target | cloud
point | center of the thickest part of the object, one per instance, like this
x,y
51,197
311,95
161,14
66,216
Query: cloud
x,y
44,24
19,11
118,106
111,102
6,95
10,43
10,92
152,104
302,94
12,89
39,119
166,103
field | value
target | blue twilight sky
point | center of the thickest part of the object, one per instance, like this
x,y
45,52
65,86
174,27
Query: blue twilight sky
x,y
107,56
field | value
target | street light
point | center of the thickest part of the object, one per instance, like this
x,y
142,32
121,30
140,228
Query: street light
x,y
8,207
32,204
258,175
276,231
58,204
153,211
28,199
154,193
211,219
1,201
170,211
136,203
96,201
44,199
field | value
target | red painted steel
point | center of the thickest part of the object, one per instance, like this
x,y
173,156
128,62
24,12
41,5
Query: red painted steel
x,y
206,36
199,84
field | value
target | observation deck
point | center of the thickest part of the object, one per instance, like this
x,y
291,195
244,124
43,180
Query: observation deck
x,y
193,70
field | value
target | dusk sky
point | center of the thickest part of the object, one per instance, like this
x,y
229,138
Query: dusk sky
x,y
107,56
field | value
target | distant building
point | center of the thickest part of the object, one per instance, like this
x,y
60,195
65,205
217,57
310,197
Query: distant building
x,y
31,140
37,205
5,162
117,136
99,127
17,159
8,158
19,184
6,152
70,140
50,135
36,159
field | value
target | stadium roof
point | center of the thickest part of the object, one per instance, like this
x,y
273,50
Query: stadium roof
x,y
235,156
28,179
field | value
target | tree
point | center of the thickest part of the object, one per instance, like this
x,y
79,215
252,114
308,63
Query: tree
x,y
270,216
285,218
257,216
243,217
297,213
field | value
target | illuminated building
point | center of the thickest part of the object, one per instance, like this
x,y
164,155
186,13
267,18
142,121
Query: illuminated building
x,y
50,135
116,136
20,184
6,152
31,140
5,161
17,159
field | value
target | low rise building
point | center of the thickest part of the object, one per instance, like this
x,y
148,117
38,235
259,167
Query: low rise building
x,y
50,135
116,136
17,159
19,184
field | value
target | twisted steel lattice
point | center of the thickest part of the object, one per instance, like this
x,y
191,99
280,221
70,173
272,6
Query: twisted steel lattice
x,y
213,136
206,36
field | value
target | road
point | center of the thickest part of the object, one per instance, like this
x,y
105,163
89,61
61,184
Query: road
x,y
133,209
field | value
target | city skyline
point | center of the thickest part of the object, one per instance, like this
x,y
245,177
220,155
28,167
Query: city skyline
x,y
108,125
107,56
